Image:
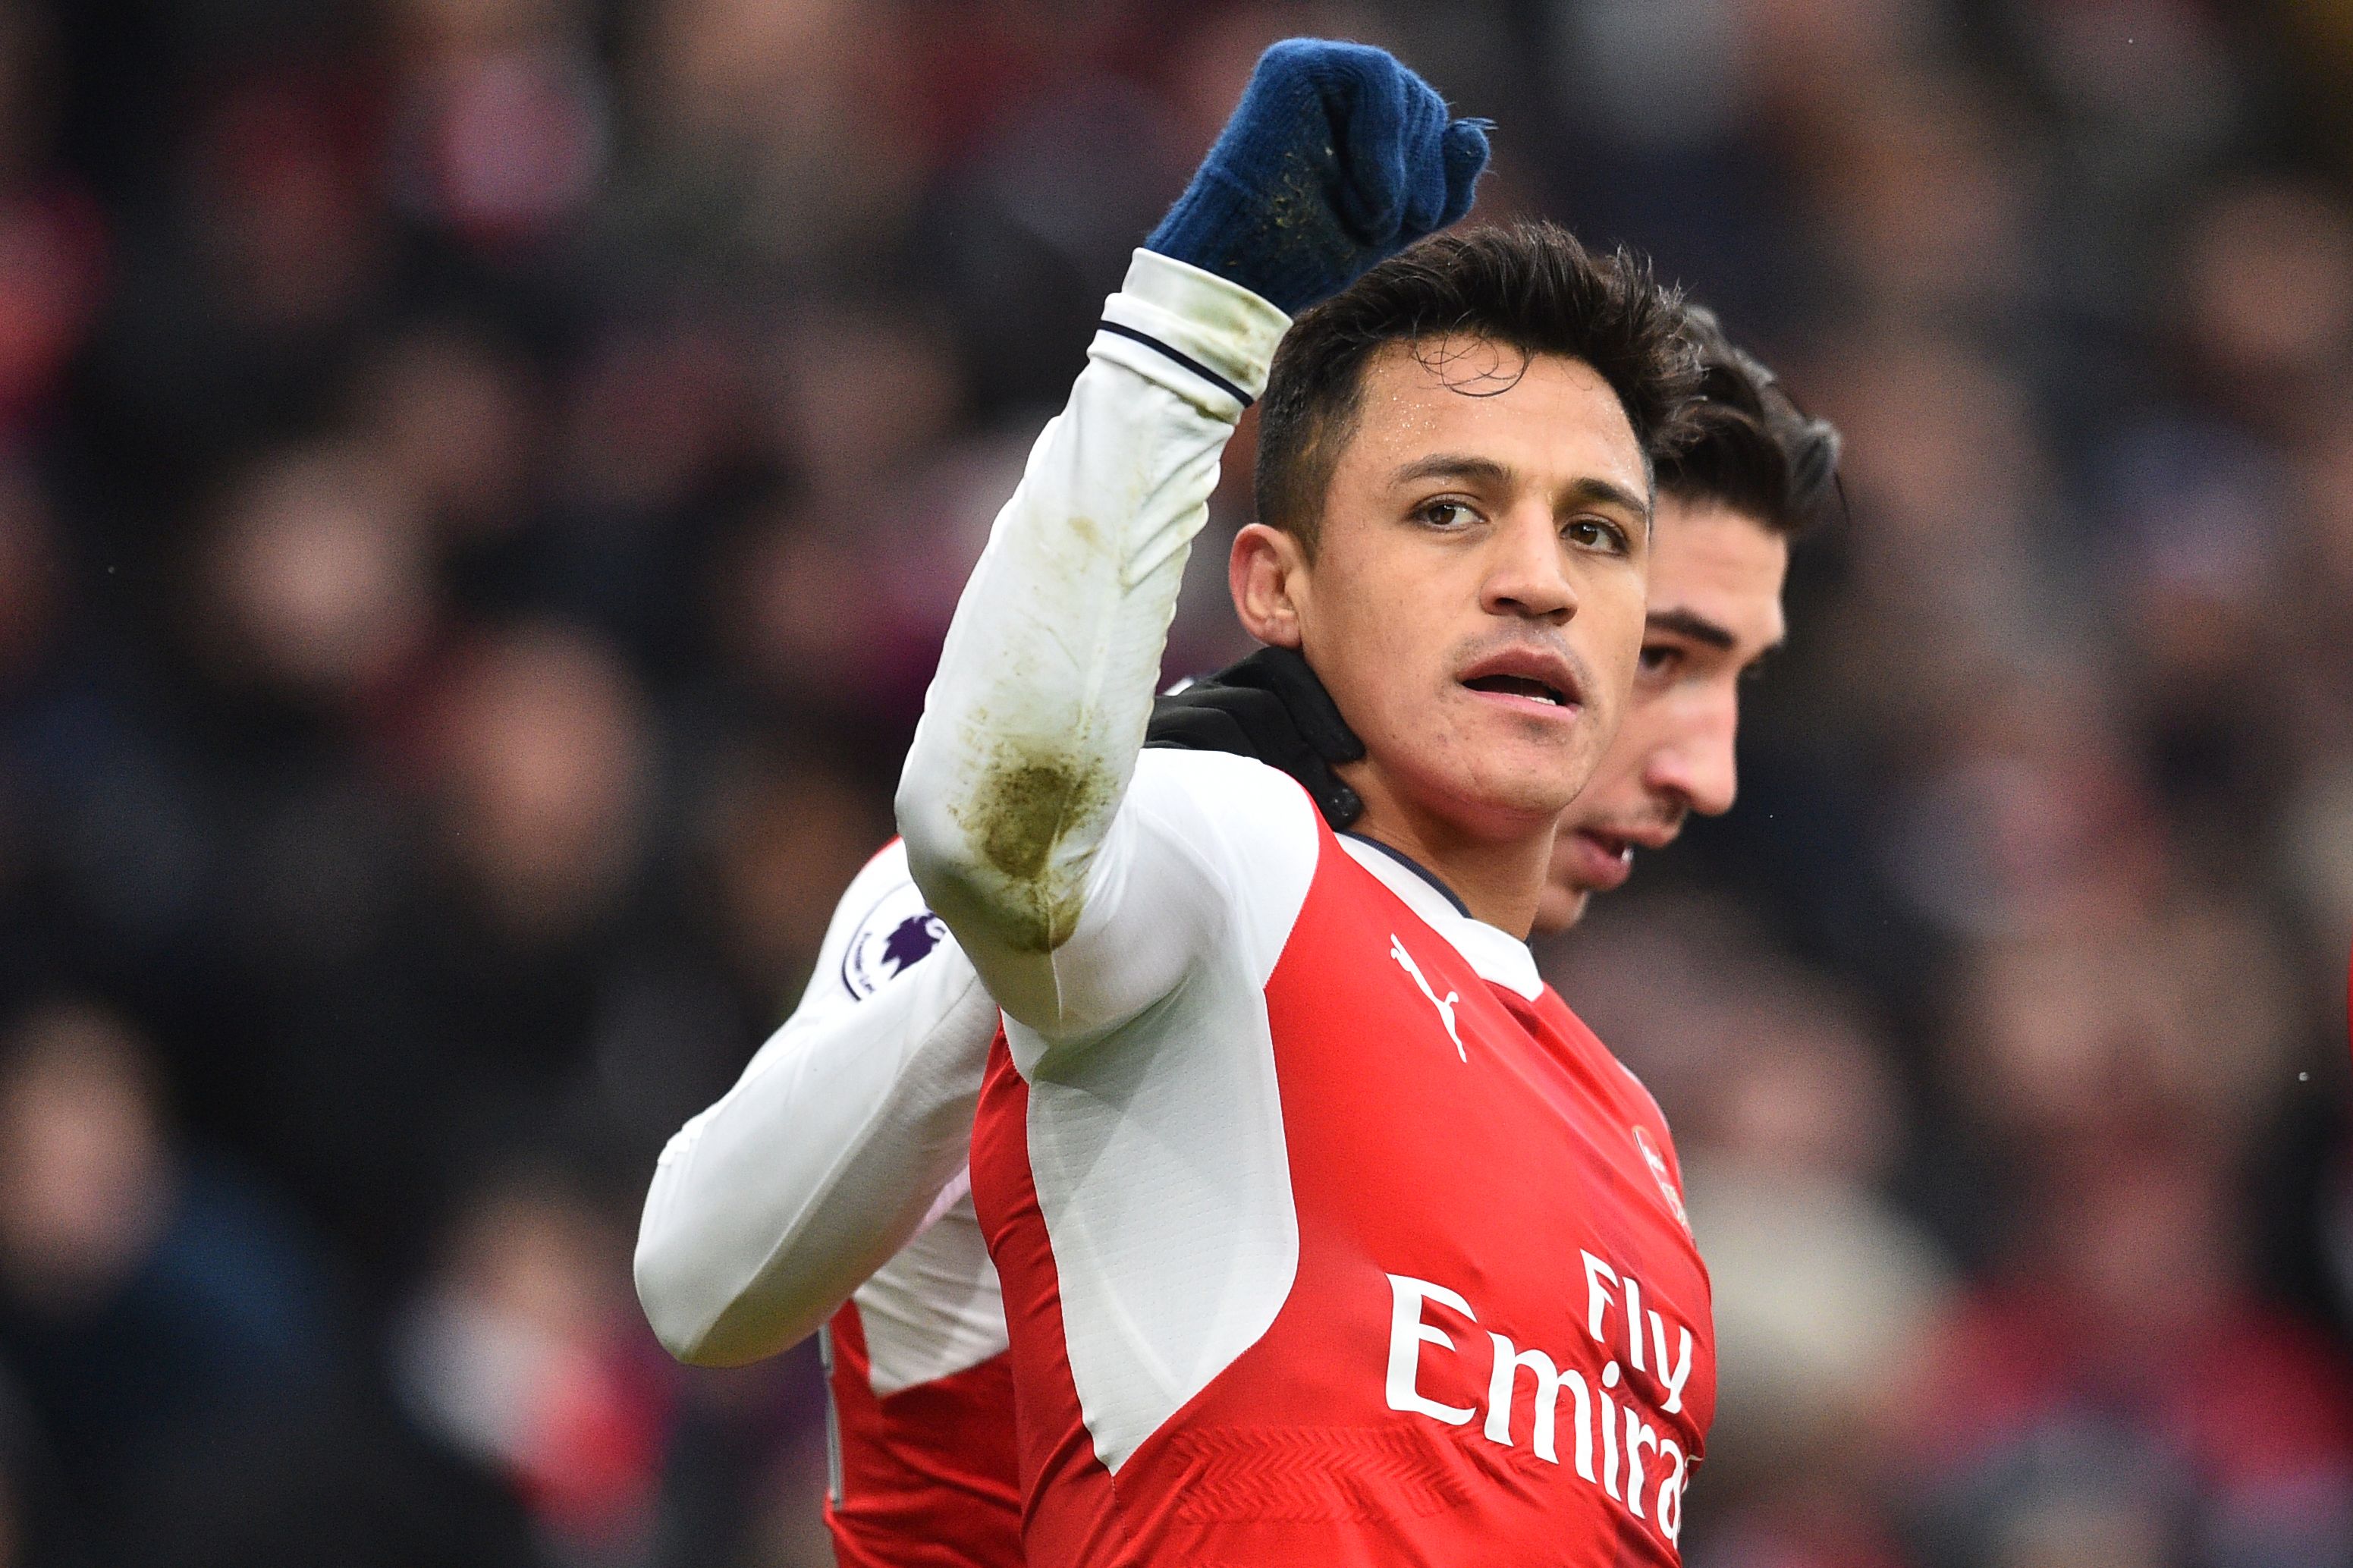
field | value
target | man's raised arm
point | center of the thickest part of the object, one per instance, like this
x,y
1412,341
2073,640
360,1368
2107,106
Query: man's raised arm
x,y
1012,801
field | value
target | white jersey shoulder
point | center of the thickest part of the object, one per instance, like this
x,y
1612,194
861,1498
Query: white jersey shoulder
x,y
1206,866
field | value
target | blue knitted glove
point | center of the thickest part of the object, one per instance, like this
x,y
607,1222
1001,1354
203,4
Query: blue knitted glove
x,y
1337,157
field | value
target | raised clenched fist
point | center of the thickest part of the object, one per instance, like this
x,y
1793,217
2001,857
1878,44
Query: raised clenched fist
x,y
1337,157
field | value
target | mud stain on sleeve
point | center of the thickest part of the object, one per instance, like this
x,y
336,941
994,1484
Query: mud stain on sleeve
x,y
1028,803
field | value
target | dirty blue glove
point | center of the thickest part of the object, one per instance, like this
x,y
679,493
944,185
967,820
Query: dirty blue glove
x,y
1337,157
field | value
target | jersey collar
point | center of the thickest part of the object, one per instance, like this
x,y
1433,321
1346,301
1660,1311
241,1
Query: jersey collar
x,y
1493,953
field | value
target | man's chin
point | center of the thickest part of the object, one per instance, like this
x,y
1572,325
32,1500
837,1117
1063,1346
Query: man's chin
x,y
1488,781
1596,862
1530,779
1561,907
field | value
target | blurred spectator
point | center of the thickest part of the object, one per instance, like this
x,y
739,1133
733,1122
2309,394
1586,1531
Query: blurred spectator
x,y
2117,1376
773,831
454,414
502,127
1924,194
148,1300
775,136
318,591
2120,1389
2021,818
2087,1046
857,396
544,761
526,1351
509,950
2267,300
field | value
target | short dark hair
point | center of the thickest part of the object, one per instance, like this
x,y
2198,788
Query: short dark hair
x,y
1532,287
1744,444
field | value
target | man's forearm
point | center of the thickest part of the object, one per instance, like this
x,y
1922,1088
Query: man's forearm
x,y
1031,728
768,1209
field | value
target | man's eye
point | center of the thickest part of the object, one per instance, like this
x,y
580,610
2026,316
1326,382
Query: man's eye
x,y
1660,658
1592,533
1444,513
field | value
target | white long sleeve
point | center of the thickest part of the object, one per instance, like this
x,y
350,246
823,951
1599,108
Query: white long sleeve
x,y
1015,786
834,1148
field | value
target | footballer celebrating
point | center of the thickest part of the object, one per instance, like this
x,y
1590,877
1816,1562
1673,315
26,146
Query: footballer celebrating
x,y
773,1204
1324,1229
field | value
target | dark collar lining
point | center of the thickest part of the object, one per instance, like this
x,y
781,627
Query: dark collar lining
x,y
1419,869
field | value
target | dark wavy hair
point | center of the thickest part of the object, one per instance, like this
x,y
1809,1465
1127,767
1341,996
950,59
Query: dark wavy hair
x,y
1532,287
1745,444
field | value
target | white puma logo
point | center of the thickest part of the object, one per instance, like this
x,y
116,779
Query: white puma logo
x,y
1445,1008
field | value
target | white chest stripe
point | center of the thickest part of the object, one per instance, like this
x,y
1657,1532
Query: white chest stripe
x,y
1157,1151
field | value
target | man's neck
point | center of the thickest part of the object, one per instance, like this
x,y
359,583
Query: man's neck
x,y
1500,881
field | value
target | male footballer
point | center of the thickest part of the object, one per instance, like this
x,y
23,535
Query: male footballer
x,y
1325,1231
920,1375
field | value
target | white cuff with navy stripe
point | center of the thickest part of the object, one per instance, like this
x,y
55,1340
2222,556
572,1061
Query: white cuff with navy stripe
x,y
1191,331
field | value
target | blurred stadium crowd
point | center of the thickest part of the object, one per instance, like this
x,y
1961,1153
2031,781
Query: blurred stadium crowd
x,y
483,481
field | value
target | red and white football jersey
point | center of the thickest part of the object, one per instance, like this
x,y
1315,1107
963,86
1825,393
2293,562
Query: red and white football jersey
x,y
1354,1247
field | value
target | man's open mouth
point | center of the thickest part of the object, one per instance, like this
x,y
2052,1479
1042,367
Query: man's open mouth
x,y
1611,844
1519,686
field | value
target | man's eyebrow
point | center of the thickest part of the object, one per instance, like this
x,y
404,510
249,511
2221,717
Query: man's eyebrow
x,y
1453,465
1689,623
1594,490
1699,629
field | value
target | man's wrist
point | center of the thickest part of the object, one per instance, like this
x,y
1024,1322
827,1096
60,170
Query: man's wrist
x,y
1182,324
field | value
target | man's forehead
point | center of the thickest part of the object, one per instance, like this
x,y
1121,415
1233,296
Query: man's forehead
x,y
1720,568
1419,388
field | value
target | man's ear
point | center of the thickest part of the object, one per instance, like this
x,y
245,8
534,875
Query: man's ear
x,y
1265,572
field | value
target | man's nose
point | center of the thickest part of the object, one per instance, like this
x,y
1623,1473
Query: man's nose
x,y
1697,764
1526,577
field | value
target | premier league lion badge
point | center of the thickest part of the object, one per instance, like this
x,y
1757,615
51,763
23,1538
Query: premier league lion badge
x,y
896,933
